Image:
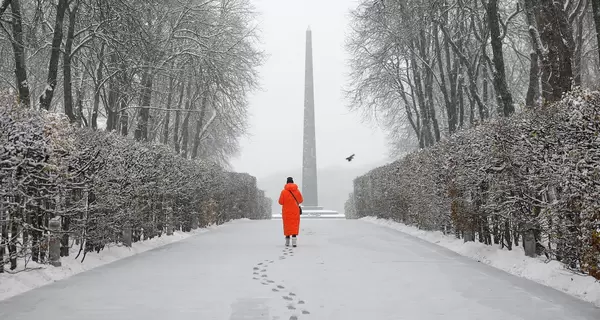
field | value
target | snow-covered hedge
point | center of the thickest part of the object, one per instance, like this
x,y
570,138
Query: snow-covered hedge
x,y
103,188
532,180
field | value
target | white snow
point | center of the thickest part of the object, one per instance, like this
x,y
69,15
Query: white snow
x,y
552,273
19,281
341,269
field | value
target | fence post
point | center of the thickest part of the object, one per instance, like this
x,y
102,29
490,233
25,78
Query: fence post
x,y
195,221
127,235
54,226
529,242
169,221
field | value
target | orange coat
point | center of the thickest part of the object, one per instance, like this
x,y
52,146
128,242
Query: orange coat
x,y
290,212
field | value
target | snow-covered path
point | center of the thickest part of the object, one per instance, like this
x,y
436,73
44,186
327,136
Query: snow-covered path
x,y
342,269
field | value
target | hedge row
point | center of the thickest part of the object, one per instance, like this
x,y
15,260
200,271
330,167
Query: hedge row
x,y
103,189
532,180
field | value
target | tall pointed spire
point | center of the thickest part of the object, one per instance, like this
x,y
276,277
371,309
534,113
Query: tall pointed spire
x,y
310,206
309,157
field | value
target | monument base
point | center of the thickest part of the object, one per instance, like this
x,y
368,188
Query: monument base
x,y
312,208
316,213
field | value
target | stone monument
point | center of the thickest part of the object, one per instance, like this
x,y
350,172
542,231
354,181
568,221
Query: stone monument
x,y
310,206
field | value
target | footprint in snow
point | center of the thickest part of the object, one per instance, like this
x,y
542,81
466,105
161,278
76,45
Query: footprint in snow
x,y
287,298
293,318
305,312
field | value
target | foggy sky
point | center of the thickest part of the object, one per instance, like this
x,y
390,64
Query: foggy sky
x,y
274,143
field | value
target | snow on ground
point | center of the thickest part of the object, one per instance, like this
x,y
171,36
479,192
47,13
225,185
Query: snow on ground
x,y
35,275
552,273
341,269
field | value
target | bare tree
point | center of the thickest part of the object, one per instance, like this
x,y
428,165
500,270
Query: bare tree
x,y
46,97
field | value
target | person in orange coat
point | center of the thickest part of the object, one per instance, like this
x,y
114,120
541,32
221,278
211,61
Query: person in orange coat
x,y
290,200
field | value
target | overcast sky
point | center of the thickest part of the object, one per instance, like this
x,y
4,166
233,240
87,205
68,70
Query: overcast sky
x,y
274,143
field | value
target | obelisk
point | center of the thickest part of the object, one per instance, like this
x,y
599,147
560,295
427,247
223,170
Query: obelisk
x,y
309,151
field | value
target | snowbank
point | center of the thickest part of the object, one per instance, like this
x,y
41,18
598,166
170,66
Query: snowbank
x,y
36,275
551,274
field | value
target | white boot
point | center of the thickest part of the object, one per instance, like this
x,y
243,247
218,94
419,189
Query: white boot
x,y
287,242
294,242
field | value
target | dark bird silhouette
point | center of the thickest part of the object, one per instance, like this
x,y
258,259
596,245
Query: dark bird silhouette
x,y
350,158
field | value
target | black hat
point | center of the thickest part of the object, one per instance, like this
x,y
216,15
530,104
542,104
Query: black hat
x,y
290,180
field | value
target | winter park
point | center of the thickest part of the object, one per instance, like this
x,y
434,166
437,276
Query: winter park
x,y
285,160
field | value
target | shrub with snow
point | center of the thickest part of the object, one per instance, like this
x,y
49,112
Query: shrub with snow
x,y
532,179
104,188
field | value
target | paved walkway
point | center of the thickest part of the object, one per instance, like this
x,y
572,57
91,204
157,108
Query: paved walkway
x,y
342,269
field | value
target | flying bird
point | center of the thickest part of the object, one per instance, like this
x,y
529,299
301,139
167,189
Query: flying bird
x,y
350,158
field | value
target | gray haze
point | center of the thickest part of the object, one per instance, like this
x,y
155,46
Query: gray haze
x,y
273,149
274,145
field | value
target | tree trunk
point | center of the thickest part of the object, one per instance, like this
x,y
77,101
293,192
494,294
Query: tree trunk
x,y
124,115
413,117
99,76
596,10
185,134
178,116
185,126
64,241
507,235
556,35
533,91
46,97
165,138
425,136
450,106
460,97
577,21
36,235
79,94
496,229
68,88
111,107
499,73
124,119
471,74
428,85
19,52
141,132
199,123
12,243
